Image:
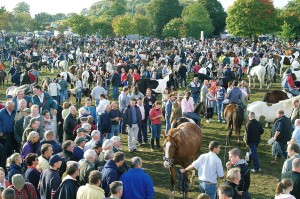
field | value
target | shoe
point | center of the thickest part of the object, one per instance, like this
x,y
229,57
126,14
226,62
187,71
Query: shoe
x,y
219,121
223,121
255,171
207,121
139,144
145,143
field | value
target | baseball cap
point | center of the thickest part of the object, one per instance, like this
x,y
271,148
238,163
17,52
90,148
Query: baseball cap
x,y
18,181
81,130
55,158
79,140
27,110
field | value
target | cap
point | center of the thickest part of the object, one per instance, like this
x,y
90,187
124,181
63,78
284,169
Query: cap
x,y
288,70
26,110
81,130
98,144
55,158
9,96
18,181
79,140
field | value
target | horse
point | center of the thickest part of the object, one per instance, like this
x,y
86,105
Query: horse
x,y
234,116
275,96
181,146
27,88
62,66
69,77
181,120
270,71
45,84
258,71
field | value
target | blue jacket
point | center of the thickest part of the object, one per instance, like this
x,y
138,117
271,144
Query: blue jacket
x,y
109,175
7,121
77,153
16,79
137,184
104,123
12,170
92,112
55,145
235,96
168,110
49,102
26,97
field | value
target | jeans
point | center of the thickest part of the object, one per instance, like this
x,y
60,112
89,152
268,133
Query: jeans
x,y
279,149
294,92
208,188
155,131
143,132
132,136
253,150
168,125
64,94
115,92
195,98
79,95
97,102
107,89
192,116
115,129
220,109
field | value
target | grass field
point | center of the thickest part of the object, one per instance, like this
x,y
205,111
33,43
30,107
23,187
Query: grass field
x,y
262,185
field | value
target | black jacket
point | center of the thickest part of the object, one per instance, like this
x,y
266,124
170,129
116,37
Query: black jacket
x,y
285,130
253,131
67,189
115,80
146,101
127,116
234,187
245,175
69,124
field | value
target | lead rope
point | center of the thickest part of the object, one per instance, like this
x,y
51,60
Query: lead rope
x,y
182,183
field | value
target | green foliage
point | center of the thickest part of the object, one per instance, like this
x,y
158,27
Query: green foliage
x,y
291,15
116,8
160,12
141,25
5,19
98,8
216,14
123,25
21,7
196,19
80,24
21,22
43,19
175,28
103,26
287,32
252,18
59,16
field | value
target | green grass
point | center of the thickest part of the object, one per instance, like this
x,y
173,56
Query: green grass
x,y
262,185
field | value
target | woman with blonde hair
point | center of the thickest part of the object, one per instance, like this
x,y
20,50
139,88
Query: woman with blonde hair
x,y
283,189
32,144
14,165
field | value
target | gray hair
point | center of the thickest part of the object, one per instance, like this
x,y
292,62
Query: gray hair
x,y
232,173
22,100
108,155
107,143
115,139
82,111
296,163
7,104
73,107
94,133
32,135
8,193
115,187
135,161
86,126
89,154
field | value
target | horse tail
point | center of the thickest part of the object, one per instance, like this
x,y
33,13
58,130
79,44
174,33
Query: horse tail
x,y
266,96
236,121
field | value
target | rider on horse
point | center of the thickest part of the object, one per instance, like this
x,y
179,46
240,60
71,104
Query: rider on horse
x,y
288,83
255,61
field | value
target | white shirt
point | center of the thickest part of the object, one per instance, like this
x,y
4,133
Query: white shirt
x,y
89,145
295,64
209,167
41,97
101,107
53,88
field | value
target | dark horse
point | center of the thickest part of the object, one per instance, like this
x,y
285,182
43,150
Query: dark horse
x,y
275,96
181,146
234,116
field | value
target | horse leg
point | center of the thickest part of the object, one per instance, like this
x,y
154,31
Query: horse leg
x,y
173,180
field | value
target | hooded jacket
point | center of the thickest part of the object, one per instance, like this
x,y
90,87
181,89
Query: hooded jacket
x,y
109,175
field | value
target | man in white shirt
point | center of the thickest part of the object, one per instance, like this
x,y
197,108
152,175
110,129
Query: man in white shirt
x,y
96,93
53,90
209,167
102,103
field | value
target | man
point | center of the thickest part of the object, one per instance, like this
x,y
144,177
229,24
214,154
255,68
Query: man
x,y
204,91
90,109
288,83
21,95
296,111
69,186
95,138
116,189
24,190
293,152
69,124
32,174
281,133
115,82
102,103
136,183
50,179
295,176
43,100
87,166
47,152
110,171
7,116
296,133
49,138
66,155
97,91
123,103
117,143
18,128
182,74
254,130
63,90
195,87
132,117
22,103
206,174
8,193
104,123
16,78
54,89
92,190
168,111
235,160
220,97
142,134
79,148
225,191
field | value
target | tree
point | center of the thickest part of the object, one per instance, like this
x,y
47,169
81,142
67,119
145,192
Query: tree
x,y
122,25
59,16
98,8
287,32
160,12
80,24
21,22
291,15
216,14
43,19
103,26
5,19
117,7
252,18
141,25
21,7
175,28
196,19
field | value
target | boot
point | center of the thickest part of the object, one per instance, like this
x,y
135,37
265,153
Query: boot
x,y
158,144
152,144
276,161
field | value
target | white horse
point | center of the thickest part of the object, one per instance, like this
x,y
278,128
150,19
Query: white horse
x,y
270,70
62,66
69,77
258,71
85,76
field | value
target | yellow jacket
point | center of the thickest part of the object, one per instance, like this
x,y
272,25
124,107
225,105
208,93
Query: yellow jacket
x,y
90,191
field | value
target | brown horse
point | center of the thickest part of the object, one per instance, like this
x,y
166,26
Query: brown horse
x,y
181,146
275,96
234,116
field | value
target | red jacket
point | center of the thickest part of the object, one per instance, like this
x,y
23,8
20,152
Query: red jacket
x,y
135,76
153,113
291,82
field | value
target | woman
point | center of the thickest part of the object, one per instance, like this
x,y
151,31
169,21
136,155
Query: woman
x,y
47,120
32,126
165,98
3,182
32,144
36,115
65,112
14,163
187,107
107,82
283,189
116,117
156,117
233,178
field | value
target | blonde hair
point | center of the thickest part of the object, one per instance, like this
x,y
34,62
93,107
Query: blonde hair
x,y
32,135
232,173
282,185
34,106
12,159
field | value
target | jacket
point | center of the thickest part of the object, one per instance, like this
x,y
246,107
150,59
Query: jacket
x,y
32,175
104,123
49,183
235,96
109,175
295,114
137,184
285,129
49,103
234,188
91,192
127,116
67,189
28,147
19,130
116,80
244,183
55,145
7,121
84,171
69,124
12,170
253,131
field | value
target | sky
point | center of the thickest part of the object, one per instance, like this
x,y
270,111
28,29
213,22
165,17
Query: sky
x,y
69,6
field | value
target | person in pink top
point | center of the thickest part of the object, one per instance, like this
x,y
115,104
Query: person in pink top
x,y
187,107
155,116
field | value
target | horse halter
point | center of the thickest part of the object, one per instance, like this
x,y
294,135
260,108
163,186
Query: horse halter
x,y
170,160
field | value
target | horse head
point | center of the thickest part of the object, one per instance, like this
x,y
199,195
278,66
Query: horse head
x,y
170,144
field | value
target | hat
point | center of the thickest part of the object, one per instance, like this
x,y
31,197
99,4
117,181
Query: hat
x,y
18,181
288,70
26,110
81,130
55,158
84,119
79,140
9,96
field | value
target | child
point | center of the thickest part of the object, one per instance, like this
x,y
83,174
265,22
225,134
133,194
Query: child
x,y
283,189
